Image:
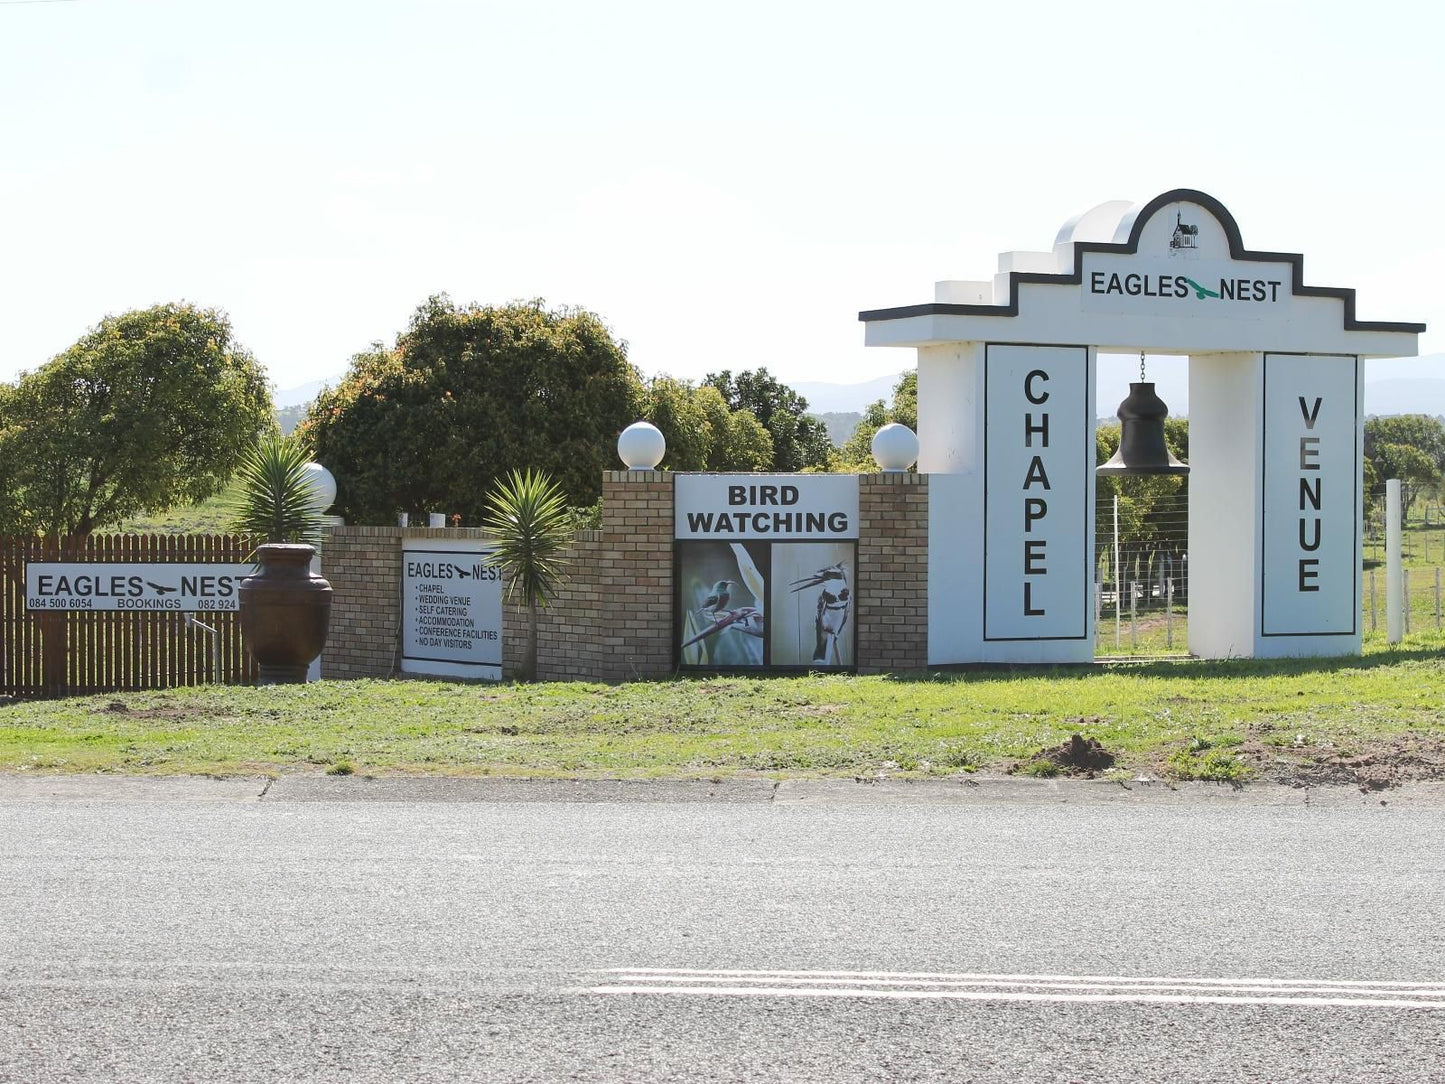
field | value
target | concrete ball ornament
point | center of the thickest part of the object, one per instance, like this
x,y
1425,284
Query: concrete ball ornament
x,y
641,446
895,448
323,487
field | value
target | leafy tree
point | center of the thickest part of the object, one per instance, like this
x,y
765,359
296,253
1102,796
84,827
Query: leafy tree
x,y
150,409
673,406
530,526
702,433
12,513
857,451
739,441
1417,471
1410,447
799,441
467,395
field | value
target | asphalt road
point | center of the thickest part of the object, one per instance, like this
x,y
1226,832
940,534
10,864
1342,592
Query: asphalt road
x,y
348,930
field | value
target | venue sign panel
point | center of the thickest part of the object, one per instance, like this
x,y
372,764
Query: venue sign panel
x,y
1310,496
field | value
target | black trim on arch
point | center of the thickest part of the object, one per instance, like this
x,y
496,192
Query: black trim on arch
x,y
1130,247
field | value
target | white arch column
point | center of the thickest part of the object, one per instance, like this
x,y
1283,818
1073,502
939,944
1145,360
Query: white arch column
x,y
1275,504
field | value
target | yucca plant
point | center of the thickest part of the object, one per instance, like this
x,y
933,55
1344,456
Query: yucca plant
x,y
272,498
530,527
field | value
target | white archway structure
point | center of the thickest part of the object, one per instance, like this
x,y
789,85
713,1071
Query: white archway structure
x,y
1006,372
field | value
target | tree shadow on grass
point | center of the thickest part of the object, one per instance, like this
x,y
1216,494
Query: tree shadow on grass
x,y
1188,669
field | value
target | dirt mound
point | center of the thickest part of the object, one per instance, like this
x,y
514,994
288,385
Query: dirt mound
x,y
1078,756
1370,765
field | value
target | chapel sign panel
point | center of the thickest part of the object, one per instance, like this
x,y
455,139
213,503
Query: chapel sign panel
x,y
1038,473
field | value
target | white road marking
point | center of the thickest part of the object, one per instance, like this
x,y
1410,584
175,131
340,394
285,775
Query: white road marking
x,y
932,985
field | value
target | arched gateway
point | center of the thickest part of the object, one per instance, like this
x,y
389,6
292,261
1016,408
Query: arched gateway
x,y
1006,372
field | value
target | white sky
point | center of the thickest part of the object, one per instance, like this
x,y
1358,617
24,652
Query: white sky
x,y
727,185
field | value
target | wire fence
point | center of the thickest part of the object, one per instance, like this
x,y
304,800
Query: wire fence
x,y
1141,575
1422,556
1141,571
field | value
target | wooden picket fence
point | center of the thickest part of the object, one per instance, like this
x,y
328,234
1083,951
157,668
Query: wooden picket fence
x,y
47,654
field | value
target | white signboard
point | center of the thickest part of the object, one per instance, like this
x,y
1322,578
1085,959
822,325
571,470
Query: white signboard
x,y
180,588
1038,468
1311,478
1161,286
783,507
451,605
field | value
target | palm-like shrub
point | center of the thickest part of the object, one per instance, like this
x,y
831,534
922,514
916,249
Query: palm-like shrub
x,y
272,497
530,527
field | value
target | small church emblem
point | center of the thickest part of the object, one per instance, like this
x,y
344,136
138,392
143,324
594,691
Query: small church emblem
x,y
1185,235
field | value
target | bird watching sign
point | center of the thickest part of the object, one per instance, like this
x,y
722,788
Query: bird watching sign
x,y
179,588
797,507
765,569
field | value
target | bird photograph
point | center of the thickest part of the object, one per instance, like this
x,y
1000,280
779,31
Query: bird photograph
x,y
812,606
723,601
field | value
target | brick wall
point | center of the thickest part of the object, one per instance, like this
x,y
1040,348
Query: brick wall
x,y
613,620
892,572
363,565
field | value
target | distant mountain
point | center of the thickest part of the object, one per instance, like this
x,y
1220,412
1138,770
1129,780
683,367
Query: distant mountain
x,y
840,425
826,398
302,394
288,418
1420,395
1392,385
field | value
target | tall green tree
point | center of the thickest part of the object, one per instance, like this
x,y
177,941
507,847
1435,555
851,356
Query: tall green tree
x,y
799,441
468,394
702,433
673,406
150,409
739,441
1410,447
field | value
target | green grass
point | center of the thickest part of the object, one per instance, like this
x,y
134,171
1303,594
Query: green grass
x,y
208,517
1189,720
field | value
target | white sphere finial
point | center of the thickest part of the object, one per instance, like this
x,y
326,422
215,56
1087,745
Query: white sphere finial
x,y
641,446
895,448
323,487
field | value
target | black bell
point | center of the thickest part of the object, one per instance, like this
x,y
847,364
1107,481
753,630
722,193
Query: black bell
x,y
1141,436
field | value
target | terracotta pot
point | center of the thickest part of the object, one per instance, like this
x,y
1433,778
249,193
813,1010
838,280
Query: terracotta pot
x,y
285,612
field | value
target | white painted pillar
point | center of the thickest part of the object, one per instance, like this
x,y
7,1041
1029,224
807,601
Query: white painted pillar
x,y
1011,525
1394,566
1225,408
950,408
1274,505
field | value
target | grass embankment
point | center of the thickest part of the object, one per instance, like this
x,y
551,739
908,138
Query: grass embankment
x,y
1376,720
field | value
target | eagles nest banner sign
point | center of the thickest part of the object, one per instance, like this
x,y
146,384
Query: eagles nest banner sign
x,y
764,570
1006,385
181,588
451,607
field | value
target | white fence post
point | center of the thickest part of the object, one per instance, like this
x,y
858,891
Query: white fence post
x,y
1394,568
